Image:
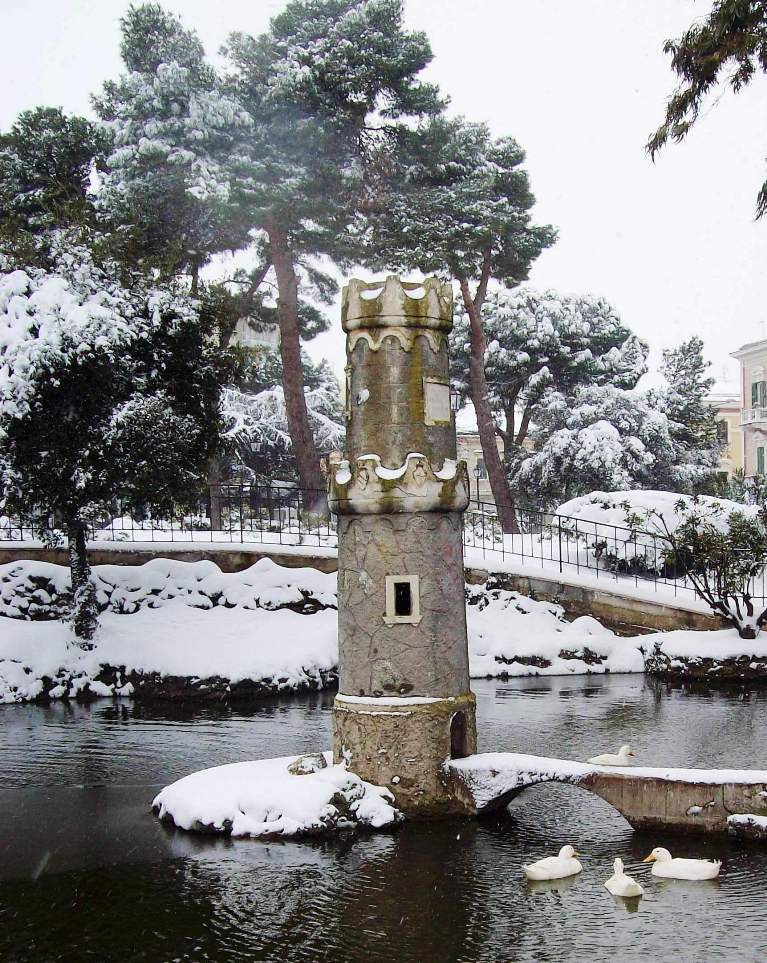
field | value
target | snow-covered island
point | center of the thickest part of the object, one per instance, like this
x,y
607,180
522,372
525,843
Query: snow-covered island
x,y
272,798
188,630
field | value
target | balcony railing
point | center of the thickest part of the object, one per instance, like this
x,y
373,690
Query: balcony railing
x,y
753,416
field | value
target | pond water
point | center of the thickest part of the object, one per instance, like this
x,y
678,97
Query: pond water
x,y
87,873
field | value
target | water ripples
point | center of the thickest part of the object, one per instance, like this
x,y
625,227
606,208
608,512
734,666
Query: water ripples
x,y
443,891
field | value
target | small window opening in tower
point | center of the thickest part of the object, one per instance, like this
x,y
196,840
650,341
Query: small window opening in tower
x,y
403,603
403,599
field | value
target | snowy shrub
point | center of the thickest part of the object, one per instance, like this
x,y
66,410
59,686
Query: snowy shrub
x,y
718,546
601,438
105,391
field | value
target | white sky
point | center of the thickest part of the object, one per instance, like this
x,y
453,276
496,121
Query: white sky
x,y
581,84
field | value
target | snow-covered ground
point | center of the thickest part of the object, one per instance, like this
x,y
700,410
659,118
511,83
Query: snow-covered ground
x,y
277,628
282,650
266,798
510,634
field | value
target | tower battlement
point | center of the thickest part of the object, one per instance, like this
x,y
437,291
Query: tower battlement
x,y
397,303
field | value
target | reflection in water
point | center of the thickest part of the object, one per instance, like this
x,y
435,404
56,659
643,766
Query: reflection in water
x,y
629,903
91,875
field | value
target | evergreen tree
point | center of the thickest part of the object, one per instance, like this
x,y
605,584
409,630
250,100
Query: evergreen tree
x,y
599,438
692,419
731,40
166,197
106,390
448,198
536,341
321,85
46,162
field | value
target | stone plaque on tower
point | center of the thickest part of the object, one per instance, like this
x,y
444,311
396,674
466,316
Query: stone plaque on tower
x,y
404,704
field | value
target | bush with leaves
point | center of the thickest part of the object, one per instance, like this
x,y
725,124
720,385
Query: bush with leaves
x,y
722,554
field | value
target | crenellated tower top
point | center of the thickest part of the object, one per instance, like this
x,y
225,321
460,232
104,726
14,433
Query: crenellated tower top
x,y
400,432
409,304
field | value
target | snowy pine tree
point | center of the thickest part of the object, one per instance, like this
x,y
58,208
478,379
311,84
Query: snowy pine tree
x,y
166,189
692,419
46,162
536,341
449,198
325,80
599,438
255,418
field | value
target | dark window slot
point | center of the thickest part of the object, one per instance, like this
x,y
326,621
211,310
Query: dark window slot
x,y
403,599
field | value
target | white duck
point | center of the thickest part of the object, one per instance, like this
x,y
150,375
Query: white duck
x,y
669,867
554,867
619,758
619,884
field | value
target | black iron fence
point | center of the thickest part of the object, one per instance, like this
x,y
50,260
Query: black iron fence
x,y
269,514
284,515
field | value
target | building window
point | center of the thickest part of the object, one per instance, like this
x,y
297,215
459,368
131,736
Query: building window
x,y
481,469
760,461
403,603
722,431
759,394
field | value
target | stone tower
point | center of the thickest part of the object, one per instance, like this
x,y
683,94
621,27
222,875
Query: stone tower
x,y
404,704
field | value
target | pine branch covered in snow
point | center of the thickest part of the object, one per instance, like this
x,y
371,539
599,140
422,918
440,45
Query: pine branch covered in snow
x,y
601,438
256,420
542,340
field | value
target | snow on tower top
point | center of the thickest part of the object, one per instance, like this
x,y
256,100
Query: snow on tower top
x,y
380,304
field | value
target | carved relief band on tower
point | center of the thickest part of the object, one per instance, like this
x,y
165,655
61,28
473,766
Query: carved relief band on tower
x,y
404,704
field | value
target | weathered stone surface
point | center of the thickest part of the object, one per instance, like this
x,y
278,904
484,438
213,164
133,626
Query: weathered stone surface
x,y
391,421
305,765
361,490
404,746
376,659
399,497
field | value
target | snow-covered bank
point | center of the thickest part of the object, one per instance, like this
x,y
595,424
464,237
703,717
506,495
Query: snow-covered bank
x,y
708,656
512,635
195,632
269,798
208,653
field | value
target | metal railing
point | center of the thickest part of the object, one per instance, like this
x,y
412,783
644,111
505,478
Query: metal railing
x,y
283,515
229,514
559,544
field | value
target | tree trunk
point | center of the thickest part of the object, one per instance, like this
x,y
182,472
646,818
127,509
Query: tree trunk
x,y
304,449
85,615
495,473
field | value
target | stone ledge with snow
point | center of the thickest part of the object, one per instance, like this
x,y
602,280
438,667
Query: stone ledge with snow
x,y
274,798
42,590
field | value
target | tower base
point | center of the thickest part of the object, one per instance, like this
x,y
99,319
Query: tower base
x,y
402,744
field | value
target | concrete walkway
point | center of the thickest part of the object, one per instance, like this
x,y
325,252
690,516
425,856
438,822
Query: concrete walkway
x,y
683,800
